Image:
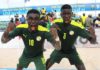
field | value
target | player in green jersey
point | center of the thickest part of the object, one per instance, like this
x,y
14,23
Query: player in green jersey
x,y
68,31
33,36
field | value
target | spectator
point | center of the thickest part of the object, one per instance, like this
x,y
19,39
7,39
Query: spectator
x,y
22,19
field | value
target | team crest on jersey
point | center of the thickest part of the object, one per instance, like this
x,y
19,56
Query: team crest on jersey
x,y
71,33
38,38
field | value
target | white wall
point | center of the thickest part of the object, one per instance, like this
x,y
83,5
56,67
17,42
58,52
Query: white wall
x,y
11,3
49,2
22,3
85,1
3,4
98,1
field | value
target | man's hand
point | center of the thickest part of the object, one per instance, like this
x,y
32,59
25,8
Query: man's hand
x,y
5,38
92,32
10,27
53,32
57,45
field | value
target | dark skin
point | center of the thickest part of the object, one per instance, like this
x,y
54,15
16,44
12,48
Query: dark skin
x,y
32,20
66,15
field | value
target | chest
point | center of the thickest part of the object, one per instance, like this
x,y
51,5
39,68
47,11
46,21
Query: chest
x,y
36,36
67,33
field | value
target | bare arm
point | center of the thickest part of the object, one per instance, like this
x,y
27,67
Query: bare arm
x,y
5,38
93,39
56,41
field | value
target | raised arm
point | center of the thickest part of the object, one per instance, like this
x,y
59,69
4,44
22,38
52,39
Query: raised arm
x,y
92,39
53,38
56,41
5,38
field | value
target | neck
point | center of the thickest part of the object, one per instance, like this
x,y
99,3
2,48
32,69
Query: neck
x,y
33,28
67,23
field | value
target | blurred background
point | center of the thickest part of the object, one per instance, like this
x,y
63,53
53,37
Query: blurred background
x,y
11,8
86,12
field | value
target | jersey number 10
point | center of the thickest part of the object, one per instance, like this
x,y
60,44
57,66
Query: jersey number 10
x,y
31,42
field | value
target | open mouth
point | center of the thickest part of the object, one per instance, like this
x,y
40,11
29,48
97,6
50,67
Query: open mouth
x,y
33,27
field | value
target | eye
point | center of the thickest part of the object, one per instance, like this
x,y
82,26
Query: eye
x,y
33,18
30,18
36,18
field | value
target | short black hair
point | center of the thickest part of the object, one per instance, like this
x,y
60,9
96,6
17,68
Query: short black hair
x,y
33,11
66,6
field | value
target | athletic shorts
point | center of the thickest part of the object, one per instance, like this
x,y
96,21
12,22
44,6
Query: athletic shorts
x,y
73,58
39,62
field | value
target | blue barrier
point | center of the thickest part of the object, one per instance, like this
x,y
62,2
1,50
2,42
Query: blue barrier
x,y
50,8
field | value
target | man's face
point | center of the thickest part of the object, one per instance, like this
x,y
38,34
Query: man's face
x,y
66,15
33,20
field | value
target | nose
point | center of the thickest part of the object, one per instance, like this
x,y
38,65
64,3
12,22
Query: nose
x,y
66,15
33,21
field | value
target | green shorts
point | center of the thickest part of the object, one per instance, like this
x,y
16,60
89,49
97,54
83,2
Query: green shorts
x,y
73,58
39,62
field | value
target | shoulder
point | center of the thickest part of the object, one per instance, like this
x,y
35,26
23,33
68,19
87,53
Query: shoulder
x,y
22,26
57,20
41,28
58,24
77,24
